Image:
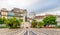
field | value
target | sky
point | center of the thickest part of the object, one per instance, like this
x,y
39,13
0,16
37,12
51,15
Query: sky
x,y
37,6
55,11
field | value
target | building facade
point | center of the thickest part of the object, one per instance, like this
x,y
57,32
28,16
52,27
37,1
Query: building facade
x,y
41,17
3,12
16,12
58,19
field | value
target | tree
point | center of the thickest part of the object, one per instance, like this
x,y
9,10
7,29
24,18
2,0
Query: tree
x,y
21,20
41,24
12,22
7,22
34,24
2,20
50,20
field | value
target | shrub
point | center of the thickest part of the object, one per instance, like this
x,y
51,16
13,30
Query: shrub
x,y
41,24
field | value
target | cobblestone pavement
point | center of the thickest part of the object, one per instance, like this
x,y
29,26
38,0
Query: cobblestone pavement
x,y
31,31
10,31
46,31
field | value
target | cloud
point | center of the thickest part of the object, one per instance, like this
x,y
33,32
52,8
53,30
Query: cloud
x,y
30,5
17,3
7,3
55,11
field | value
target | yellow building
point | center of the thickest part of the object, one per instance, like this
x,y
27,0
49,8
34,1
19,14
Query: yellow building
x,y
4,12
16,12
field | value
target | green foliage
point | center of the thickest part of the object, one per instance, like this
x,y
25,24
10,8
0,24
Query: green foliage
x,y
21,20
50,20
2,20
3,27
41,24
57,27
34,24
12,22
7,22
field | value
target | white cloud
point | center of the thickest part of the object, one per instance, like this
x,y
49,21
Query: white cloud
x,y
7,3
55,11
17,3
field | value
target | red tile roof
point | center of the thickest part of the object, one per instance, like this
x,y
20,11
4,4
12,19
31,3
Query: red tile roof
x,y
42,16
38,17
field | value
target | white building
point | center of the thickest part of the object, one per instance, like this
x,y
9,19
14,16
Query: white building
x,y
58,19
16,12
39,18
55,11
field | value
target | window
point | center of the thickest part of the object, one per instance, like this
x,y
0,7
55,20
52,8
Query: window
x,y
10,13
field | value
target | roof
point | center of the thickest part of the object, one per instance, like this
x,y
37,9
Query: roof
x,y
17,10
42,16
4,10
39,17
49,15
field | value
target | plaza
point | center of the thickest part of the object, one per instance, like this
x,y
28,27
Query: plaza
x,y
29,17
30,31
